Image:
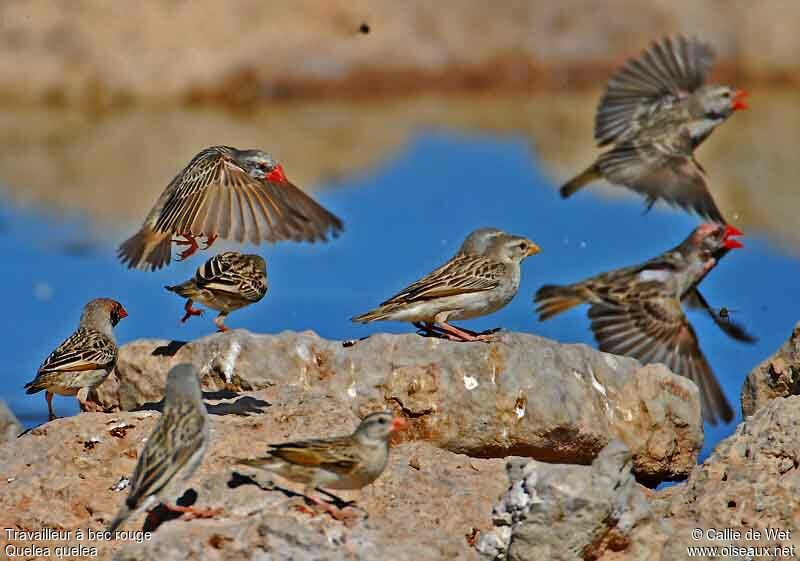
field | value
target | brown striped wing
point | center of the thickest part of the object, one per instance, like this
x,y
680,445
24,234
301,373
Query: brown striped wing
x,y
215,196
233,273
666,72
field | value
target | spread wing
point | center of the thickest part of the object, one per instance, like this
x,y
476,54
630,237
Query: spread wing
x,y
334,455
86,349
233,273
663,74
215,196
653,328
461,275
662,167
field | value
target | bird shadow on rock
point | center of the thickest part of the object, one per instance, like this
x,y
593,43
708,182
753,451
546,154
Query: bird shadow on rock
x,y
170,349
244,406
161,513
238,479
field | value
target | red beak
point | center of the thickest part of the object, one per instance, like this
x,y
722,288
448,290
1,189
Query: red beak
x,y
277,175
121,312
739,101
398,424
729,243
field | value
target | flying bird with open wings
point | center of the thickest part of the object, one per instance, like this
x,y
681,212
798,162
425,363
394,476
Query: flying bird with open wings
x,y
227,193
636,311
656,110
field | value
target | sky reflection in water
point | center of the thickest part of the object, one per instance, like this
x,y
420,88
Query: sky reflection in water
x,y
401,221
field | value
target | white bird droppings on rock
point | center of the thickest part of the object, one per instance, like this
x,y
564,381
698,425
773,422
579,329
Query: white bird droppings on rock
x,y
470,383
610,361
229,361
351,389
597,385
520,411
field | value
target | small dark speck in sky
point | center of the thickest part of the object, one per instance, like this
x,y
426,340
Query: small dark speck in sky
x,y
364,28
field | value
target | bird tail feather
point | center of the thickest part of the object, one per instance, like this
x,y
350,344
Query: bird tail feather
x,y
186,289
147,250
551,300
584,178
383,312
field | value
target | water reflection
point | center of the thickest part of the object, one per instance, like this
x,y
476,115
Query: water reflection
x,y
407,202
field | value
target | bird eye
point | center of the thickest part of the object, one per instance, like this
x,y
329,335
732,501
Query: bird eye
x,y
726,94
523,246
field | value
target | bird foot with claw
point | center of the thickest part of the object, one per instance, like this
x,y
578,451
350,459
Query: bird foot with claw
x,y
190,311
191,512
188,252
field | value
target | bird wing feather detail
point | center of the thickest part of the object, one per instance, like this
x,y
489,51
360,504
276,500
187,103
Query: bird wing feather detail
x,y
333,455
233,273
662,168
86,349
653,328
666,72
462,275
214,195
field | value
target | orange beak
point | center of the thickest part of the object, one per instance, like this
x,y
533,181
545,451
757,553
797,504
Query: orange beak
x,y
398,424
731,243
739,101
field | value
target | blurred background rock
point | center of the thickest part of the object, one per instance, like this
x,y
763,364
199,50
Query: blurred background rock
x,y
334,87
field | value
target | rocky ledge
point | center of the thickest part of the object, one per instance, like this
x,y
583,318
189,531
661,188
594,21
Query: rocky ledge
x,y
480,473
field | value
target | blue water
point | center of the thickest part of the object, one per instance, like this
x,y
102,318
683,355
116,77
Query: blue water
x,y
402,220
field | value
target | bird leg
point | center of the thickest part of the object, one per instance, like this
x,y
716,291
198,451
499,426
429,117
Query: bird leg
x,y
455,334
192,512
51,415
190,311
189,240
446,331
218,321
210,239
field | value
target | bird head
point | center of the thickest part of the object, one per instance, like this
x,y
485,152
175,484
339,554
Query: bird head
x,y
478,241
510,248
377,427
261,165
102,311
717,103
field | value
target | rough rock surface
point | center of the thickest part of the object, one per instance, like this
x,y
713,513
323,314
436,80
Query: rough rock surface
x,y
63,475
10,426
518,395
561,512
749,484
777,376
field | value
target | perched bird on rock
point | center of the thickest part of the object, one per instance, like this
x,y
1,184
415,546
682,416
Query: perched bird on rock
x,y
480,279
229,193
173,451
86,358
656,111
346,462
636,311
226,282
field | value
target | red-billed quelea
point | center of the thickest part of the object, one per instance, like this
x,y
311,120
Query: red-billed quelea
x,y
346,462
86,358
226,282
172,452
225,192
636,311
480,279
655,111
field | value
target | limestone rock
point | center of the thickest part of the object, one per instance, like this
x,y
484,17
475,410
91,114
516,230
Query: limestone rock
x,y
518,395
777,376
70,474
10,426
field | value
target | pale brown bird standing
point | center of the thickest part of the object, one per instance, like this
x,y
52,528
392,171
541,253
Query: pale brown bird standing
x,y
636,311
229,193
656,111
481,278
173,451
346,462
86,358
226,282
